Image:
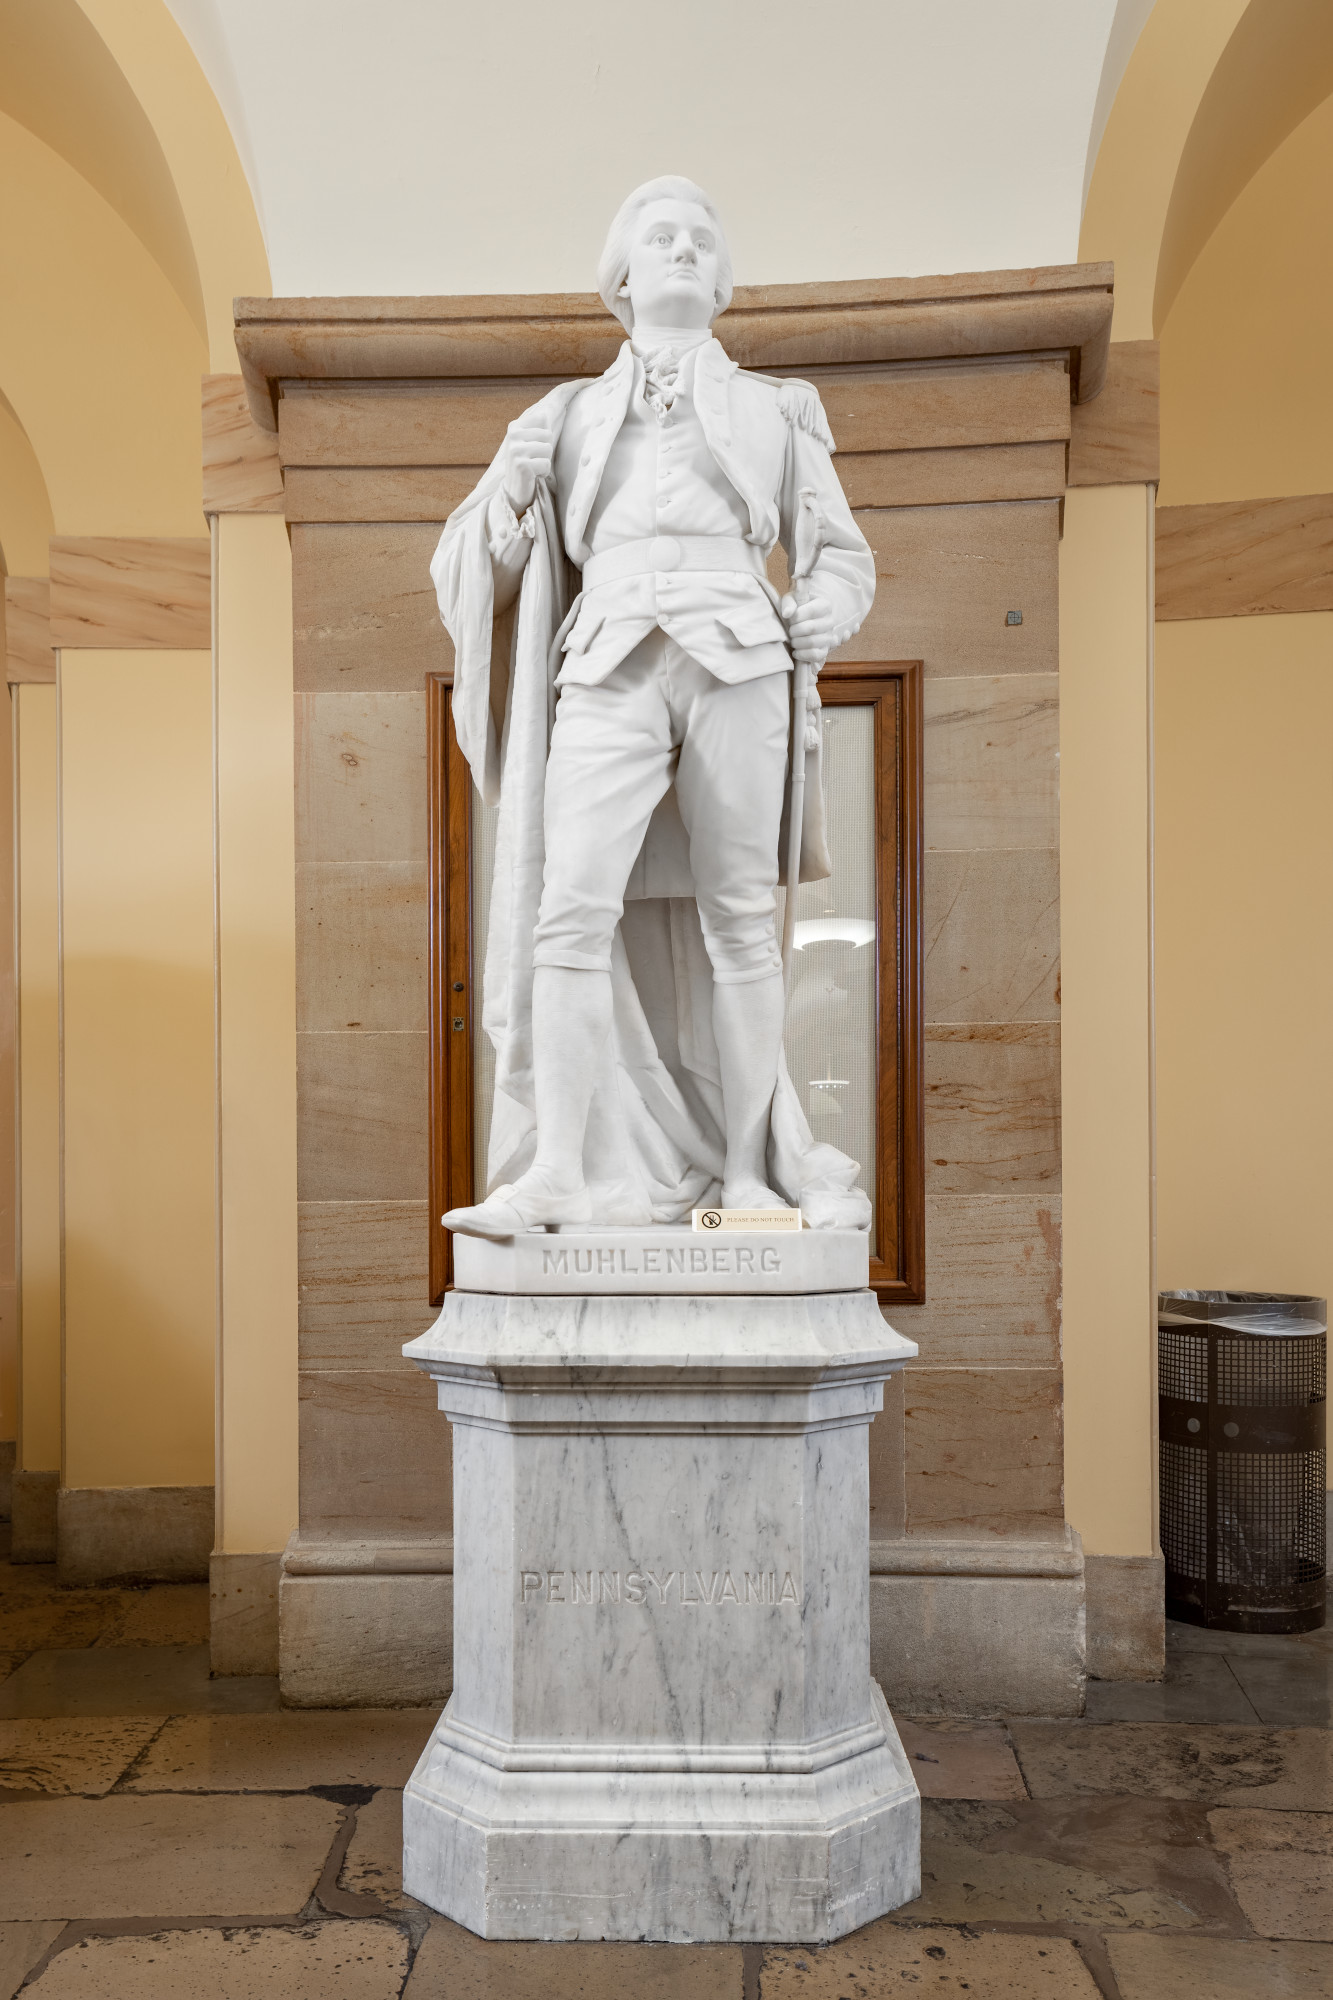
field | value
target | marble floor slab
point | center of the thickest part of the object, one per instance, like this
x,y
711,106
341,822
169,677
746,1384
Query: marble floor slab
x,y
1281,1868
374,1863
961,1760
889,1958
1291,1689
451,1964
1228,1677
1115,1863
163,1857
37,1614
22,1946
287,1752
1182,1638
1197,1687
347,1961
180,1851
1188,1968
1289,1769
71,1755
131,1680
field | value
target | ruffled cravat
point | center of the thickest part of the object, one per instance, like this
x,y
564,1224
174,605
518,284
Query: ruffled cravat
x,y
661,378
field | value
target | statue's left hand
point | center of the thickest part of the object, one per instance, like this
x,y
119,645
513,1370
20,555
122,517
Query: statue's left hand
x,y
809,628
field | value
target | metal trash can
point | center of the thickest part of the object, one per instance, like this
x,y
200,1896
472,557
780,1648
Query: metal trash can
x,y
1242,1382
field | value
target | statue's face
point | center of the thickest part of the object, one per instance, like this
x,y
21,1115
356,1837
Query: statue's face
x,y
672,278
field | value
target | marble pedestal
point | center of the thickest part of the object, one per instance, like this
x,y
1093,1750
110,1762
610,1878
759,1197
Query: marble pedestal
x,y
663,1723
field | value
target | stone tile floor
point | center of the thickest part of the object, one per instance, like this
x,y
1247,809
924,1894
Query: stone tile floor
x,y
168,1837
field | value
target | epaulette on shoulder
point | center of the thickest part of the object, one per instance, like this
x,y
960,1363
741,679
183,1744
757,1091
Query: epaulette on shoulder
x,y
800,405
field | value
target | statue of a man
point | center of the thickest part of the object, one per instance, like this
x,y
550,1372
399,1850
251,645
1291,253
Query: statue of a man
x,y
622,686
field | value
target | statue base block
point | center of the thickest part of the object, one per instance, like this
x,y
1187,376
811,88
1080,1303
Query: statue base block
x,y
663,1723
668,1259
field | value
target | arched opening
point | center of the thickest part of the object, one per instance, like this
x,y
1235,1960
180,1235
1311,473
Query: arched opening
x,y
129,229
1211,191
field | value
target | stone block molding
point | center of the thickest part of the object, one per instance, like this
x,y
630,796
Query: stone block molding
x,y
241,470
1245,558
133,1534
850,324
963,407
131,592
29,652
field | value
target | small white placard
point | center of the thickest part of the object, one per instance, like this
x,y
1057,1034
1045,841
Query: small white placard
x,y
707,1221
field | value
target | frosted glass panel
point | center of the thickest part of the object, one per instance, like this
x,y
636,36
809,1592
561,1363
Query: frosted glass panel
x,y
830,1039
484,820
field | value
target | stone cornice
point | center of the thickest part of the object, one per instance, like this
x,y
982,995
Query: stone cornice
x,y
969,315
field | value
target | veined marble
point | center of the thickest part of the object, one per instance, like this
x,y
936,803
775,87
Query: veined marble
x,y
643,741
663,1723
677,1261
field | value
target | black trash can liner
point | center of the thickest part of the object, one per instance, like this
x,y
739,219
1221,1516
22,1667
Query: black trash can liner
x,y
1242,1388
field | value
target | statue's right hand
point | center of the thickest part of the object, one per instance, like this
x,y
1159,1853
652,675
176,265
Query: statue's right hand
x,y
529,446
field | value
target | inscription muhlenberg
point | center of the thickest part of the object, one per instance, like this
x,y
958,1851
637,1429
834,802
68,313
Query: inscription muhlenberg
x,y
670,1587
726,1258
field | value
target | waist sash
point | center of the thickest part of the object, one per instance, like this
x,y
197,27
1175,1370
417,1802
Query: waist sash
x,y
665,553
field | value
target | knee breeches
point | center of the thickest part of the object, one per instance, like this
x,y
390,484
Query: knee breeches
x,y
616,748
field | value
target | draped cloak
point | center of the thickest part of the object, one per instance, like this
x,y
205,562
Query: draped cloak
x,y
655,1141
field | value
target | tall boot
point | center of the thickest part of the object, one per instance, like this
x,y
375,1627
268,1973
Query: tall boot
x,y
571,1019
747,1022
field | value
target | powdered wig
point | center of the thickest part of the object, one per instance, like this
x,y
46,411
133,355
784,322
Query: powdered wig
x,y
614,266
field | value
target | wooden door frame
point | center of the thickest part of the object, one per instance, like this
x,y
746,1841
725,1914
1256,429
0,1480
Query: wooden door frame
x,y
893,688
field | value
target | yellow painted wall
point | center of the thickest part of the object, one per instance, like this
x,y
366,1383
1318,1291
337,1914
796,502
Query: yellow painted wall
x,y
9,1310
1247,396
1245,952
138,1067
60,80
128,229
1217,96
257,1388
1245,762
26,523
1106,1032
39,1078
161,69
98,356
1130,193
1276,68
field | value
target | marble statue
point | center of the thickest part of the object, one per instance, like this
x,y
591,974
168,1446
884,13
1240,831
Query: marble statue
x,y
663,1722
623,687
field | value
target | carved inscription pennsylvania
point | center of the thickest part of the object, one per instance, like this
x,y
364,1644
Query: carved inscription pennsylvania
x,y
670,1587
